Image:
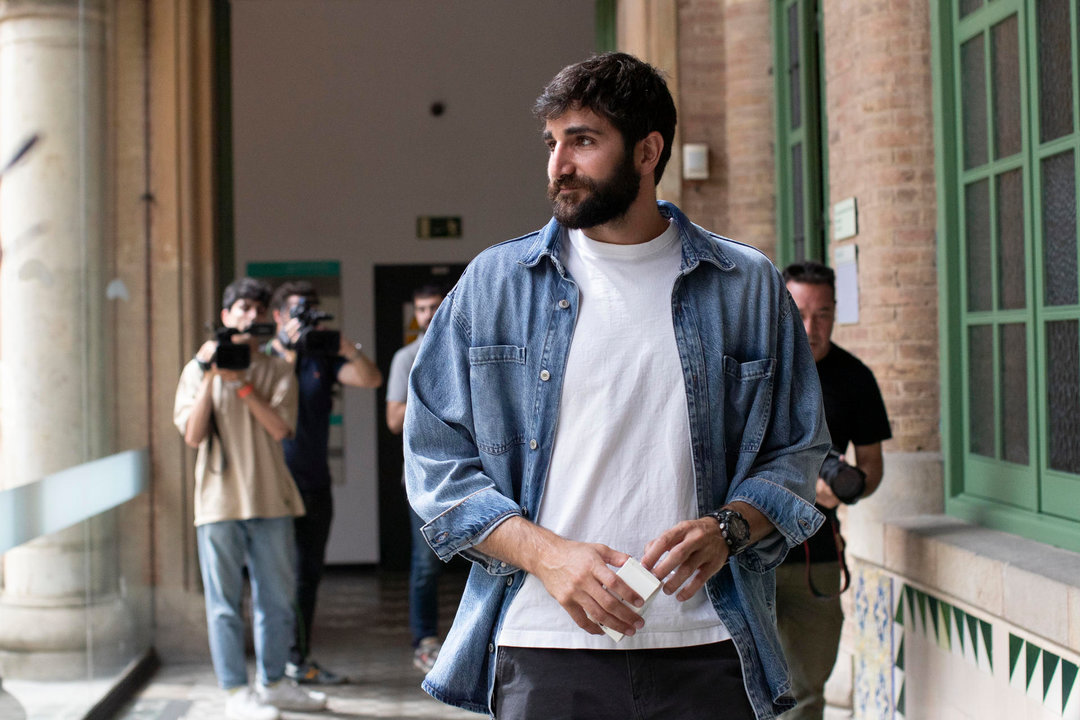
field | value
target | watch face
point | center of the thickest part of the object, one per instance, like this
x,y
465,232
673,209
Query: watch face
x,y
740,529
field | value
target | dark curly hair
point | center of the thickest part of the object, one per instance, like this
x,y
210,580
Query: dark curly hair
x,y
246,289
632,95
287,289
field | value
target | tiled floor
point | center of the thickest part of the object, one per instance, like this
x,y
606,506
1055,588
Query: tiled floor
x,y
361,631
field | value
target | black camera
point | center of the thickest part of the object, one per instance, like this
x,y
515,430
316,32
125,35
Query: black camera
x,y
312,340
237,356
847,482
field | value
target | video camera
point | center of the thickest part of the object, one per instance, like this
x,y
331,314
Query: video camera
x,y
312,340
847,482
234,356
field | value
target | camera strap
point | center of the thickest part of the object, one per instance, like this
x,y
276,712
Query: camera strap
x,y
838,541
210,444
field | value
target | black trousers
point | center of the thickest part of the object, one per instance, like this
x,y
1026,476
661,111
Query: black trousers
x,y
689,683
312,532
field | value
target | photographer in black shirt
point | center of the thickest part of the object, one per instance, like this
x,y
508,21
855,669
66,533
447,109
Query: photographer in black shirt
x,y
808,584
321,359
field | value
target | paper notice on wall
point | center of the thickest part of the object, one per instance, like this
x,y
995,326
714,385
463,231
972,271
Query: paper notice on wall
x,y
847,284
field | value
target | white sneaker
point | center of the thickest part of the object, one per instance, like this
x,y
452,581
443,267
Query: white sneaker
x,y
287,695
243,704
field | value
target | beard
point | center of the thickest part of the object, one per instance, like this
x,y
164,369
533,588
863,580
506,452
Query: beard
x,y
604,201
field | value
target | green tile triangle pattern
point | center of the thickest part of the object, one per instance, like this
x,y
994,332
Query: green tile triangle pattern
x,y
900,703
932,604
1033,653
1015,646
988,639
1068,678
969,629
945,635
959,616
1050,663
973,633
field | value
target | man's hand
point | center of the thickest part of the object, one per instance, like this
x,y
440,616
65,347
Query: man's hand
x,y
206,355
292,329
576,574
825,496
580,579
695,551
358,370
206,352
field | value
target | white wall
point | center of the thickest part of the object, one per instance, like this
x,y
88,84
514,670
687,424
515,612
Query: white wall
x,y
336,153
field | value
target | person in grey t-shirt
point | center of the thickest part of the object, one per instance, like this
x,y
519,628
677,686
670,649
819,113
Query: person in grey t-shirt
x,y
425,567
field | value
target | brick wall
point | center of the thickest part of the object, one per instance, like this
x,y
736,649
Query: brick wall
x,y
702,115
726,101
881,151
749,99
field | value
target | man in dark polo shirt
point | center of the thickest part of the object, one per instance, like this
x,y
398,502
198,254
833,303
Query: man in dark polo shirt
x,y
808,583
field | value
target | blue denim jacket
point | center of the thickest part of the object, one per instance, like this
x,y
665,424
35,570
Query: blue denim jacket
x,y
480,423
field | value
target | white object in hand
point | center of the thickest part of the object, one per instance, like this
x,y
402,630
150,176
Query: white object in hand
x,y
643,582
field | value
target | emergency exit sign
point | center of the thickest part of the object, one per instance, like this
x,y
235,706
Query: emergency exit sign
x,y
434,227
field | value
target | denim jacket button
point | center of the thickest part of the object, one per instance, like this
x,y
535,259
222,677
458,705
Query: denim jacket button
x,y
491,647
545,375
509,581
564,303
533,444
524,512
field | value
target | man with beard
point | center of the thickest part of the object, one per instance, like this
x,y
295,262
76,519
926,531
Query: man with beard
x,y
619,402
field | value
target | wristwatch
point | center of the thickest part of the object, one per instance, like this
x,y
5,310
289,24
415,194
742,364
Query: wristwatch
x,y
734,528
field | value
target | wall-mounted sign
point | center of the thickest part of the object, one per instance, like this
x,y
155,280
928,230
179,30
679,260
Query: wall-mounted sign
x,y
430,227
846,262
845,219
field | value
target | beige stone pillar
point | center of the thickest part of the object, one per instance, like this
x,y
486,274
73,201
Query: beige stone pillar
x,y
59,602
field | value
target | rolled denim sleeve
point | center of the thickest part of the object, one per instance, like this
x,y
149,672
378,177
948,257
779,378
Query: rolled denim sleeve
x,y
445,479
781,479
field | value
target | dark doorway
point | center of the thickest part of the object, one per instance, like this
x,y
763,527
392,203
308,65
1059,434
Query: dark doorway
x,y
394,285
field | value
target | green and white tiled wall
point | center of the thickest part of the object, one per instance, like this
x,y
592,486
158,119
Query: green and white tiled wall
x,y
917,655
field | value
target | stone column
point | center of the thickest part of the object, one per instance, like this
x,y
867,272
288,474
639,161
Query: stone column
x,y
59,608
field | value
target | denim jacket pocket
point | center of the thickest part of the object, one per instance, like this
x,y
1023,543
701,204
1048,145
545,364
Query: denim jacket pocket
x,y
497,371
748,387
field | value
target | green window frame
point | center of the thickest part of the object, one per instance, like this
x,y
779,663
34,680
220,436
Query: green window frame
x,y
801,163
606,13
1007,136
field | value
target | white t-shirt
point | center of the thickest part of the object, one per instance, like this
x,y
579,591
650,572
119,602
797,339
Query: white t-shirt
x,y
621,468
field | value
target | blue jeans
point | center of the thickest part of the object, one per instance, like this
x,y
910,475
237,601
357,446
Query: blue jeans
x,y
266,545
424,571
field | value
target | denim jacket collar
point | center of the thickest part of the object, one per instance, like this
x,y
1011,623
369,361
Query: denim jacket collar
x,y
696,244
